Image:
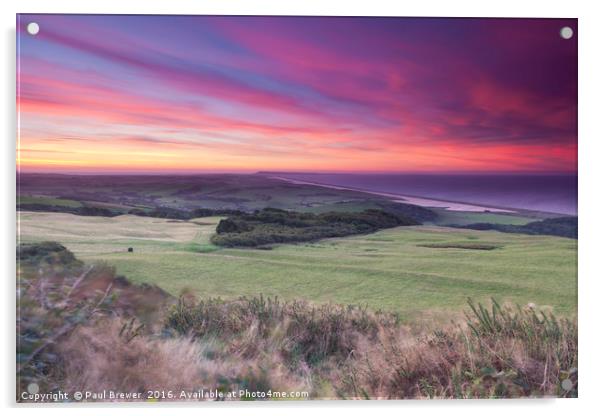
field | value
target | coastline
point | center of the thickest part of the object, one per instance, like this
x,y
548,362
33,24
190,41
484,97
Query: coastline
x,y
409,199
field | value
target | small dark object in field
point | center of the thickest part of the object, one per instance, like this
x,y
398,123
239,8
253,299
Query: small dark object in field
x,y
130,249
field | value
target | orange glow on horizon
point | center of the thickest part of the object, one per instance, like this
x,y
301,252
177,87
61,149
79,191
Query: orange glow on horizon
x,y
111,99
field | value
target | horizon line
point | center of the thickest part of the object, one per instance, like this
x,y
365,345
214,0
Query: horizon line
x,y
287,172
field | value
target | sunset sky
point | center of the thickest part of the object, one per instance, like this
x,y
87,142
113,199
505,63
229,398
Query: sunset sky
x,y
240,94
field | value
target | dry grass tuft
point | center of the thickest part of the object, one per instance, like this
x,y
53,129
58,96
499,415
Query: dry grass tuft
x,y
103,357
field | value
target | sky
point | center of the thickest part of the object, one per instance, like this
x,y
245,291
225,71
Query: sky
x,y
154,94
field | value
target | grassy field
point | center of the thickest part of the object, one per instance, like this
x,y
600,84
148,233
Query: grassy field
x,y
445,217
49,201
411,270
212,191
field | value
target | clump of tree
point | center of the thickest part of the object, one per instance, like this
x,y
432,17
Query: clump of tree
x,y
271,225
561,227
416,212
85,210
162,212
157,212
181,214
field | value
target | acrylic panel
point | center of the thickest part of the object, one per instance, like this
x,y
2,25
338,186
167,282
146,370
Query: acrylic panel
x,y
295,208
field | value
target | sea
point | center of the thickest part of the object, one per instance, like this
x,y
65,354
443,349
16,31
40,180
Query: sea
x,y
551,193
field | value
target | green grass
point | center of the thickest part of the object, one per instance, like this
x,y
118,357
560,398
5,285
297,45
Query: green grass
x,y
386,270
446,217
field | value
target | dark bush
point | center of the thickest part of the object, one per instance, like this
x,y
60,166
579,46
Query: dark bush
x,y
231,226
47,252
206,212
271,226
561,227
85,210
169,213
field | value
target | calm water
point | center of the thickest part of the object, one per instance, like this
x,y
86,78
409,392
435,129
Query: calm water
x,y
549,193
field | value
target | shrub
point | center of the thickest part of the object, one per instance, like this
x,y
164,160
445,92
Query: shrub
x,y
89,211
101,357
271,226
561,227
311,333
47,252
230,226
57,294
51,306
497,352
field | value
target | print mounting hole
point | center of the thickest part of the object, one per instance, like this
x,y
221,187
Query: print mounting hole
x,y
33,28
566,32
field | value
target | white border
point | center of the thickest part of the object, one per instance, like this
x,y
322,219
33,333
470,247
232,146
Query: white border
x,y
590,211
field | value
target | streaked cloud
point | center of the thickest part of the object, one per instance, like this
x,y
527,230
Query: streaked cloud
x,y
193,93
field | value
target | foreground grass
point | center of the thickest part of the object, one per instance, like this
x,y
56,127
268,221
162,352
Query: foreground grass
x,y
262,346
81,327
388,270
349,352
